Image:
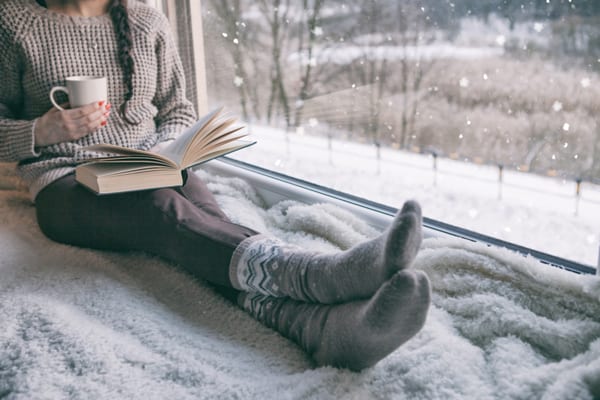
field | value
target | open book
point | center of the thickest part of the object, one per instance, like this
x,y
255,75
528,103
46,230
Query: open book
x,y
122,169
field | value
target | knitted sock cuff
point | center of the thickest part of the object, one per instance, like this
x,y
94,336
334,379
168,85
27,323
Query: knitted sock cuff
x,y
240,254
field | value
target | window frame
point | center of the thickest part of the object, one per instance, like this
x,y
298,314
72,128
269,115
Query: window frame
x,y
182,15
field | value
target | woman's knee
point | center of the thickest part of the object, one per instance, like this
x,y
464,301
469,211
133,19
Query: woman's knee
x,y
52,210
197,192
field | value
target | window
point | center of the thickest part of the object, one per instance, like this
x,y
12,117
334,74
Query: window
x,y
484,111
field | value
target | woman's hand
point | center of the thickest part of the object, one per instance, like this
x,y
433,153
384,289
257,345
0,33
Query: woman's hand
x,y
58,126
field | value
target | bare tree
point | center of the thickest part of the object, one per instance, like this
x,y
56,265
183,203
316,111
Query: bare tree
x,y
307,65
241,48
276,15
369,71
413,65
387,27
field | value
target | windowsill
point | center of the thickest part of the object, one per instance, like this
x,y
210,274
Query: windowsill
x,y
274,187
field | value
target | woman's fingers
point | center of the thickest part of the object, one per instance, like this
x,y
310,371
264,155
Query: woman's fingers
x,y
88,114
83,120
70,124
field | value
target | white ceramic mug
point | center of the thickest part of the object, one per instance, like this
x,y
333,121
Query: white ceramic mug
x,y
82,90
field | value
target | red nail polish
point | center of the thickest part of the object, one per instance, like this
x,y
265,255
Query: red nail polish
x,y
108,106
103,123
101,103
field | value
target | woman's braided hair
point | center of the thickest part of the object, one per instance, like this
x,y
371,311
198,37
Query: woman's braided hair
x,y
120,19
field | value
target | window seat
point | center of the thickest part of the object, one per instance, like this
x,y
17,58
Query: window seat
x,y
83,323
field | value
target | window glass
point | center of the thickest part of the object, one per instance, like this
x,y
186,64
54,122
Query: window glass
x,y
487,112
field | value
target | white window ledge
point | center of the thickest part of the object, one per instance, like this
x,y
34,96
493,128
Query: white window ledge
x,y
274,187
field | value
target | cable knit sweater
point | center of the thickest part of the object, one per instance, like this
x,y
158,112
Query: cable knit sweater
x,y
39,48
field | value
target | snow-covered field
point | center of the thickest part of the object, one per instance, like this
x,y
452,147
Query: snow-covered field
x,y
542,213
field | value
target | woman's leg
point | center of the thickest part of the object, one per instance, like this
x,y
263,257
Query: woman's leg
x,y
196,191
162,222
166,223
268,266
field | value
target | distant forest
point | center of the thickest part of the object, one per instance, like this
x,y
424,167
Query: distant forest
x,y
513,11
372,71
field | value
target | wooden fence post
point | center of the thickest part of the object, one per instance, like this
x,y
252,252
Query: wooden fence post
x,y
577,195
435,156
500,180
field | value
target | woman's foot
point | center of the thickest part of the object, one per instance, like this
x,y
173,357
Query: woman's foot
x,y
353,335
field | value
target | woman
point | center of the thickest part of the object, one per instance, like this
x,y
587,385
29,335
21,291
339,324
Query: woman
x,y
348,309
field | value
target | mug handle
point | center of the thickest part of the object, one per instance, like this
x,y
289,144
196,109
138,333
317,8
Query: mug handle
x,y
56,89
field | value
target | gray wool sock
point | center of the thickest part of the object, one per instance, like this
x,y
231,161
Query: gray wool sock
x,y
268,266
353,335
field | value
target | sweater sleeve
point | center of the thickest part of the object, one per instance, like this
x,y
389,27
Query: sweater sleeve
x,y
175,111
16,135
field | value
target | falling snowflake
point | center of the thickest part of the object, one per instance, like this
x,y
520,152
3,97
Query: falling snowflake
x,y
585,82
557,106
566,127
464,82
501,40
591,238
538,27
238,81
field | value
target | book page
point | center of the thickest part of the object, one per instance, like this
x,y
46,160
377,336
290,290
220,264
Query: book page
x,y
220,142
219,151
177,149
220,127
118,154
100,170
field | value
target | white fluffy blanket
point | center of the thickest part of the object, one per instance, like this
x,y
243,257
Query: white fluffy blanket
x,y
82,324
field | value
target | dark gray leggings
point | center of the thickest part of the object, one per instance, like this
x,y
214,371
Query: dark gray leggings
x,y
183,225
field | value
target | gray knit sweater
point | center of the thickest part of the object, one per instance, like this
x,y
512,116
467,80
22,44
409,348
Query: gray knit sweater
x,y
39,48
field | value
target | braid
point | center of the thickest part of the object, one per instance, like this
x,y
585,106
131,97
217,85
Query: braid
x,y
120,19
